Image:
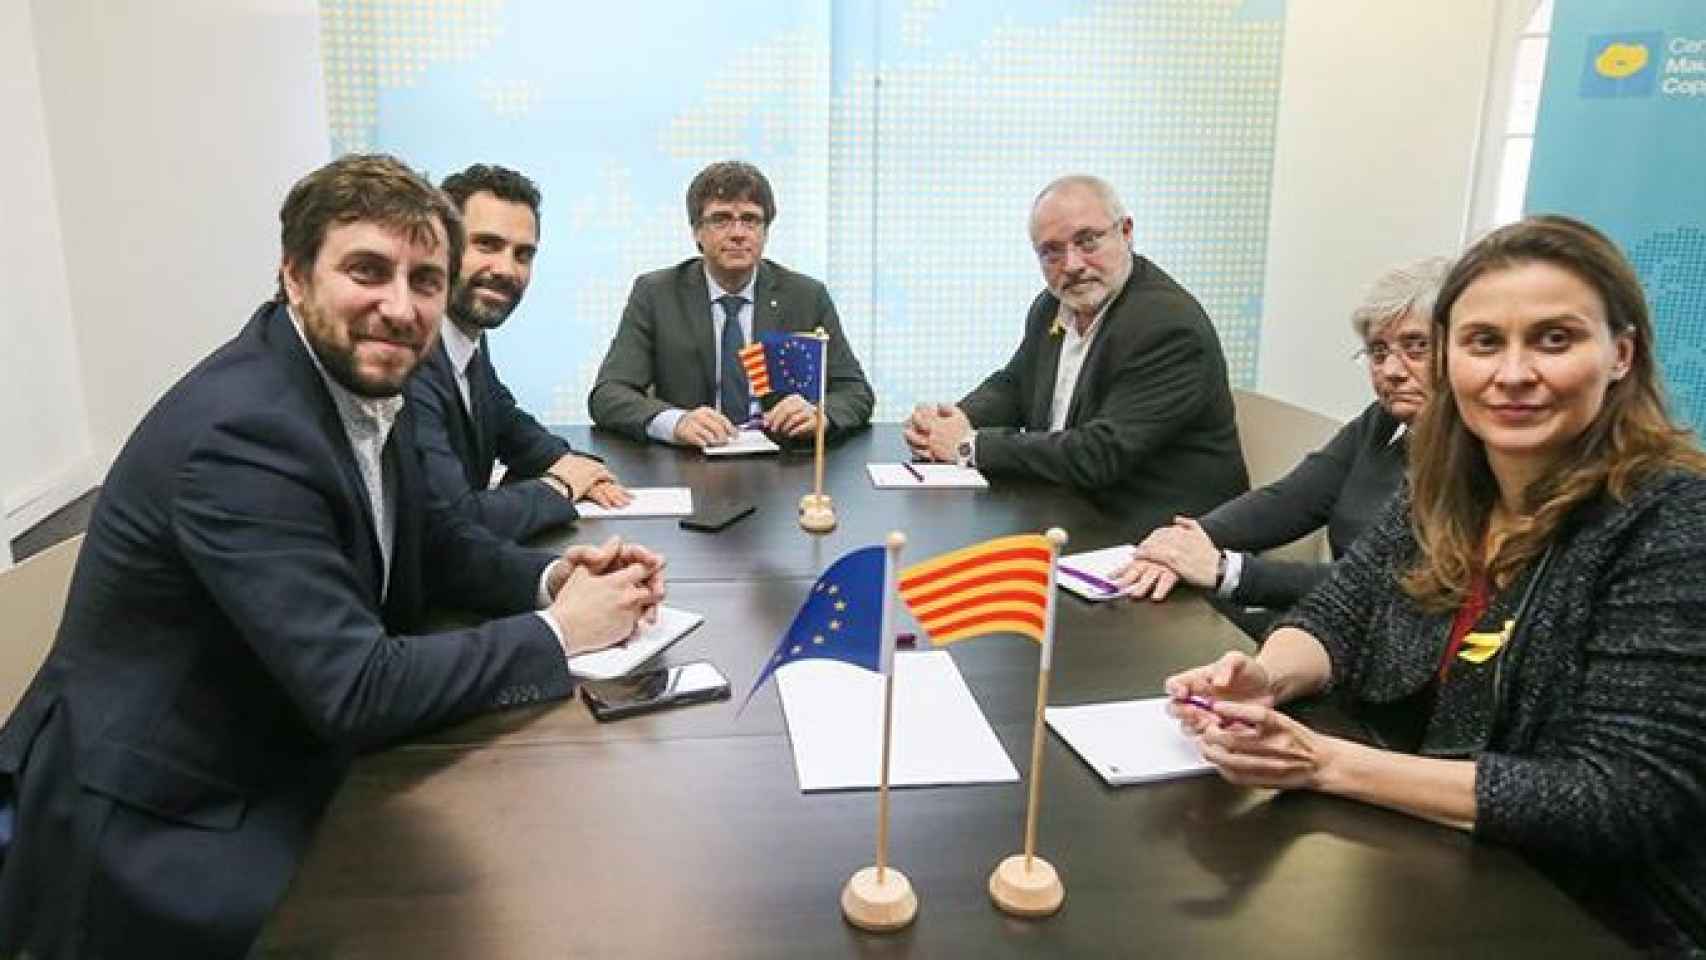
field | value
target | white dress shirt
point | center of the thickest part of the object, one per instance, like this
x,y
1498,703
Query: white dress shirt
x,y
461,349
1073,349
662,426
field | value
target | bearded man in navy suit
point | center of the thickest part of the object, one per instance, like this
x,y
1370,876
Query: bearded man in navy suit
x,y
245,612
467,419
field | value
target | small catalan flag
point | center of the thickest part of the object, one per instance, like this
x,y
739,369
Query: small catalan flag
x,y
998,586
757,371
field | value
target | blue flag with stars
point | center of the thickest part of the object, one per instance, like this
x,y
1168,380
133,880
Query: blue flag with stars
x,y
794,362
840,620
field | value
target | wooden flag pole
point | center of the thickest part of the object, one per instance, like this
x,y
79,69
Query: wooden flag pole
x,y
1025,884
880,898
817,511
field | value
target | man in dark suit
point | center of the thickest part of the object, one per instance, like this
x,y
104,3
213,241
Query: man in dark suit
x,y
1118,388
673,372
465,416
240,621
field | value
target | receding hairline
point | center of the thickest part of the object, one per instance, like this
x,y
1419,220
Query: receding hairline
x,y
1101,189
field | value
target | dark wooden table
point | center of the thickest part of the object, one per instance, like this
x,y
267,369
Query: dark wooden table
x,y
540,833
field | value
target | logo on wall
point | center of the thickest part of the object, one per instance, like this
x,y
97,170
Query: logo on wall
x,y
1622,64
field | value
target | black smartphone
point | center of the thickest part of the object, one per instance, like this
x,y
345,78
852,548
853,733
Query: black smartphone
x,y
697,682
716,515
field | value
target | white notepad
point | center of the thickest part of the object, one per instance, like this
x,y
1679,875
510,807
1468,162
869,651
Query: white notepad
x,y
893,476
835,721
1128,741
745,442
1079,572
648,502
672,624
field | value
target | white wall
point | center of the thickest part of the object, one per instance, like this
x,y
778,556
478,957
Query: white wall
x,y
1378,132
175,130
44,434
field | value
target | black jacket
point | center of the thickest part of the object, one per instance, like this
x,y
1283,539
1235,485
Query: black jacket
x,y
1150,432
458,450
225,651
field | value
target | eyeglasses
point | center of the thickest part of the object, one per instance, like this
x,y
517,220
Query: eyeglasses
x,y
1086,242
1414,346
721,222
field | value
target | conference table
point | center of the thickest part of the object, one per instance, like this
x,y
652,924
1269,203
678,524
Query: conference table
x,y
539,832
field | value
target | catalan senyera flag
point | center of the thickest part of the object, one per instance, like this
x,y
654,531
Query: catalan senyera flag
x,y
757,371
998,586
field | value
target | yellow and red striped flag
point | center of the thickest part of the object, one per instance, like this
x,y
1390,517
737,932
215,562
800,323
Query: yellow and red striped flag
x,y
757,371
998,586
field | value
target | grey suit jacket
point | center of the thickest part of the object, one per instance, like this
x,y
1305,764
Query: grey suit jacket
x,y
663,355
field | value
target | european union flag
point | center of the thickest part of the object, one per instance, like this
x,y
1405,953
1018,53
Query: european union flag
x,y
840,620
794,362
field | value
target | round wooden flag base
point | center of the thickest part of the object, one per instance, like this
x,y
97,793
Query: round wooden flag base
x,y
817,513
878,907
1033,892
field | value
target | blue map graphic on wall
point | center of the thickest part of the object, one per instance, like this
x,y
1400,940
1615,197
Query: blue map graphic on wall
x,y
905,140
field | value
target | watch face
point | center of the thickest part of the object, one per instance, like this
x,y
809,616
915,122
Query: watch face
x,y
965,448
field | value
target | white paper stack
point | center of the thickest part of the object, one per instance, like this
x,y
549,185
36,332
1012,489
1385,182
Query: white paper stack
x,y
1090,574
647,642
835,721
648,502
1128,741
904,476
745,442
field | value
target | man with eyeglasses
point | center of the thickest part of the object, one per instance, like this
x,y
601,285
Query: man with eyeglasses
x,y
673,371
1118,388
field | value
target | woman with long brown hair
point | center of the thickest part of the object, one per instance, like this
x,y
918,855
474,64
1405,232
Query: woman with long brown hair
x,y
1524,631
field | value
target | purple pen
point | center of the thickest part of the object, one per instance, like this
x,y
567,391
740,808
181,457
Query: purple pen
x,y
1204,703
914,471
1090,578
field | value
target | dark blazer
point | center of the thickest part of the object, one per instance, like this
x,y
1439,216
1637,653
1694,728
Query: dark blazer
x,y
1593,765
458,450
1343,486
1150,432
663,355
225,651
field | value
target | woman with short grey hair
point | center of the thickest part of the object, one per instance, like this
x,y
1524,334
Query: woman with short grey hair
x,y
1340,486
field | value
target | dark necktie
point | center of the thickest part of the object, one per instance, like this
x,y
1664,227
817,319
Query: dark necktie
x,y
733,395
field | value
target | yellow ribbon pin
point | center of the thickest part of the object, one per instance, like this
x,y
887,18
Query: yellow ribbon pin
x,y
1480,647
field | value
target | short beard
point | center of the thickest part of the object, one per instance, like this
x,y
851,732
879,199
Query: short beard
x,y
468,314
341,367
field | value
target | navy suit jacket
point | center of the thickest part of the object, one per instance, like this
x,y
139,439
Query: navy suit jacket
x,y
458,449
228,645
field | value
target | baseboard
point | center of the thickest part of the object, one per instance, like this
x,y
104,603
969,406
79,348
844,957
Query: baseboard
x,y
26,507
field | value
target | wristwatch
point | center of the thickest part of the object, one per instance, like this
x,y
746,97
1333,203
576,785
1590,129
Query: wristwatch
x,y
965,453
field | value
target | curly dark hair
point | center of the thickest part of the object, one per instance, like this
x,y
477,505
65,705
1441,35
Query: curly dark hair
x,y
500,182
362,187
729,180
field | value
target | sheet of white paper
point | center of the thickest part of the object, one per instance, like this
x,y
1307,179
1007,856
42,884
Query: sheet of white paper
x,y
835,720
1099,564
1128,741
672,624
889,476
747,441
648,502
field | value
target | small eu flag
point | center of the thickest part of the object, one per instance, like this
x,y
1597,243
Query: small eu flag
x,y
784,363
840,620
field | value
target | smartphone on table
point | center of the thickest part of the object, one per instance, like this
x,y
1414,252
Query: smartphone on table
x,y
697,682
716,515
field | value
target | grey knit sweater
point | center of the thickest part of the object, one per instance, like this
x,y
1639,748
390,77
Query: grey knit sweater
x,y
1595,763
